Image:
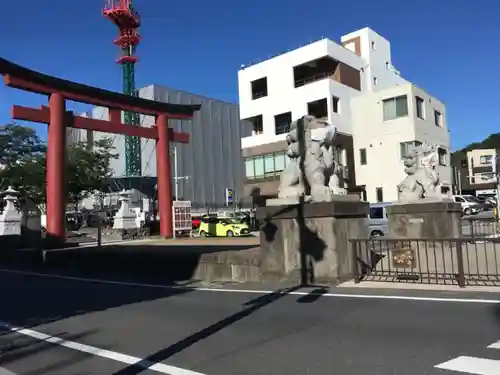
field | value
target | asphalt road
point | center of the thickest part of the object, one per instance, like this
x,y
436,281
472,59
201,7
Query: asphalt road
x,y
73,327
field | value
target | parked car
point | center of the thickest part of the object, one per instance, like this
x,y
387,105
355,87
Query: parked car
x,y
196,221
222,227
470,204
488,201
378,224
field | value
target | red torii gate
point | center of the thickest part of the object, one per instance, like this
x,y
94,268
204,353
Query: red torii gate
x,y
58,118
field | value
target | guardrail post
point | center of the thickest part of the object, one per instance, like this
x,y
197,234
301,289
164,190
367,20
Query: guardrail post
x,y
460,264
471,225
99,235
354,259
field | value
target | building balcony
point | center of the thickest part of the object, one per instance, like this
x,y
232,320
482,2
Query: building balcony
x,y
326,67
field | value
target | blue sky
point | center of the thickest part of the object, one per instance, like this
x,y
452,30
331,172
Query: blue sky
x,y
447,47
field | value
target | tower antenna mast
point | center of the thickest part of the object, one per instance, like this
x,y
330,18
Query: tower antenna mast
x,y
123,15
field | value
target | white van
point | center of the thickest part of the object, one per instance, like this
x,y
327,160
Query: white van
x,y
378,224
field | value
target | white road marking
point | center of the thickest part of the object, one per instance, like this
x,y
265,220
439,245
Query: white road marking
x,y
4,371
495,345
115,356
472,365
250,291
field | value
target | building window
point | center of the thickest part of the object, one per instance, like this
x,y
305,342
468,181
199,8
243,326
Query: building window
x,y
362,156
318,109
420,107
407,147
374,81
315,70
338,155
259,88
249,169
395,107
335,104
373,45
387,65
442,156
279,161
257,124
282,122
379,192
445,190
265,165
438,118
463,163
485,159
259,166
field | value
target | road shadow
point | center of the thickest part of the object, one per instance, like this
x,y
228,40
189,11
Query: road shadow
x,y
30,300
15,347
249,308
136,263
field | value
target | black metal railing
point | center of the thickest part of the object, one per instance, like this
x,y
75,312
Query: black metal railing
x,y
480,227
453,261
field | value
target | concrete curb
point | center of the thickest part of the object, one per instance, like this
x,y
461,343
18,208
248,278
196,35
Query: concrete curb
x,y
409,286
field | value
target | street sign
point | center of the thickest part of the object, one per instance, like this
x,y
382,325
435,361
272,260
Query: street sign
x,y
229,196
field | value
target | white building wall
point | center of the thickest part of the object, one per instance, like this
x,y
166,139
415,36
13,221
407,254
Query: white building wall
x,y
360,112
381,139
475,158
379,70
284,97
426,129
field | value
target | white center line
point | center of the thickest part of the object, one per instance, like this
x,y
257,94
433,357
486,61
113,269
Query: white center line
x,y
250,291
472,365
495,345
98,352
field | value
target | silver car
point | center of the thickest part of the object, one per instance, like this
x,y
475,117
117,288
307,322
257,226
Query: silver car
x,y
378,224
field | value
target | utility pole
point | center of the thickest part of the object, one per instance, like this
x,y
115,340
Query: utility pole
x,y
176,175
459,178
497,175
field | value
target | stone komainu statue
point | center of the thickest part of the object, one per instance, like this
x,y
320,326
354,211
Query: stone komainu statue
x,y
422,180
311,171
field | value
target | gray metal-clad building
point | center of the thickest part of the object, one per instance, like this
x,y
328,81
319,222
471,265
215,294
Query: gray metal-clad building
x,y
212,161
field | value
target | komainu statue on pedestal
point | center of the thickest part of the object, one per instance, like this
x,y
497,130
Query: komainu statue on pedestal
x,y
422,180
311,171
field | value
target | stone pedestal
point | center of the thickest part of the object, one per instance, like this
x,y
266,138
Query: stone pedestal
x,y
425,219
10,222
125,218
320,230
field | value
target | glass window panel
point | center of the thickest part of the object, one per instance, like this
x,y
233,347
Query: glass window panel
x,y
269,163
389,109
259,166
401,106
279,161
249,168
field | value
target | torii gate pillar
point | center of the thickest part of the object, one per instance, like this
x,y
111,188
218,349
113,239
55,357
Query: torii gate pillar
x,y
56,151
163,175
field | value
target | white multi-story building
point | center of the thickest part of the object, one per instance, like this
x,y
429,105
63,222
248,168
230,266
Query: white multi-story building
x,y
353,85
482,168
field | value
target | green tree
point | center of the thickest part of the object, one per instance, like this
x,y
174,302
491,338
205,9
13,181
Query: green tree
x,y
22,161
23,158
88,168
18,144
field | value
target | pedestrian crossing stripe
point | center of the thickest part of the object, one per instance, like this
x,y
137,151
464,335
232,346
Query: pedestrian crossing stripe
x,y
495,345
473,365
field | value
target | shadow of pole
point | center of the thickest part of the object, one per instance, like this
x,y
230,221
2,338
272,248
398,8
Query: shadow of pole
x,y
163,354
306,266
